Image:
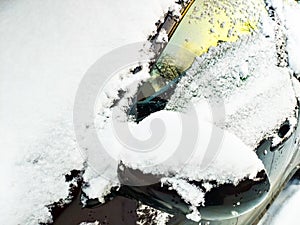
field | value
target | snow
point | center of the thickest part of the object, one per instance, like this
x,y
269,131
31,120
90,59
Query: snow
x,y
187,147
101,177
289,213
231,161
98,187
189,193
218,78
266,86
171,151
175,9
162,37
154,216
288,12
94,223
291,15
121,81
45,49
194,215
285,208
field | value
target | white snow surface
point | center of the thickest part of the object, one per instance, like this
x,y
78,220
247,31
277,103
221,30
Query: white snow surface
x,y
189,193
288,12
291,15
98,186
231,162
162,37
100,182
217,81
285,209
254,75
192,194
93,223
45,49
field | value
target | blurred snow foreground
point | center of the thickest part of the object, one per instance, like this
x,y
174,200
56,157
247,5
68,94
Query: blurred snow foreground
x,y
45,49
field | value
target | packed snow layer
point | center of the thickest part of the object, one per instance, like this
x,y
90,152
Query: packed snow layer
x,y
102,175
172,143
230,160
216,84
98,186
38,176
215,77
177,149
220,79
191,194
285,209
45,49
291,13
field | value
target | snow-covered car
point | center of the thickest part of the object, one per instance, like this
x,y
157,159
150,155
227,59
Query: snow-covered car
x,y
233,60
198,55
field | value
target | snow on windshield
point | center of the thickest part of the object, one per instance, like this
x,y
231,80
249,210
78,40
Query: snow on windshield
x,y
255,75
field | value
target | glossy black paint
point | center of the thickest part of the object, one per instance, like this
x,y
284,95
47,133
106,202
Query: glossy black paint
x,y
221,202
